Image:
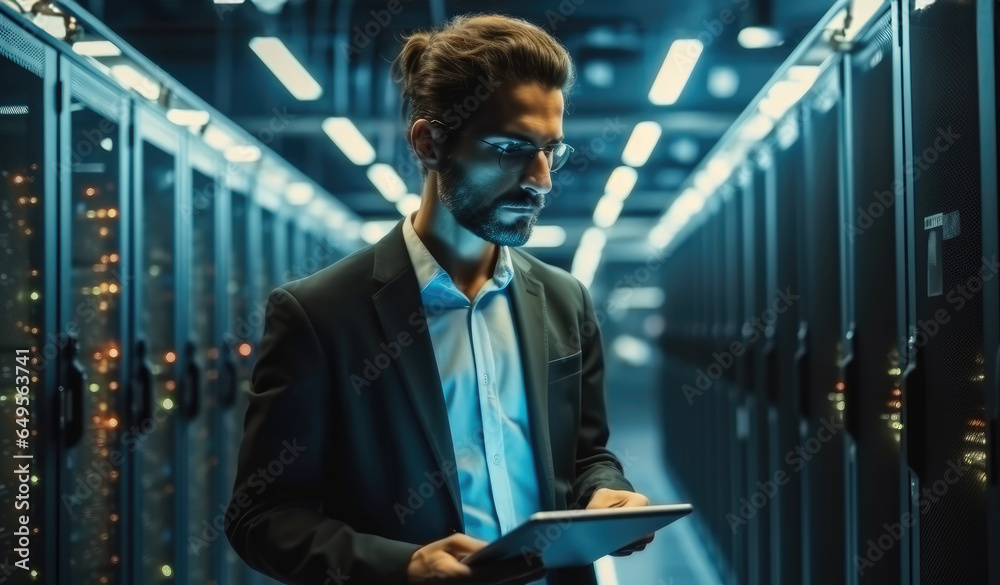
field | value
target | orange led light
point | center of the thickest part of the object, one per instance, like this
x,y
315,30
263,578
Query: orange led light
x,y
171,357
244,349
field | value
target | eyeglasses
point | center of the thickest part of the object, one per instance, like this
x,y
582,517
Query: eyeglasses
x,y
515,156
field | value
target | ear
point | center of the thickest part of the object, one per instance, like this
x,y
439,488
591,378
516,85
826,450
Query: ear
x,y
427,141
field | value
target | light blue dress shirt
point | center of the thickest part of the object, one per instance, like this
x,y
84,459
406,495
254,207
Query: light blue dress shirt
x,y
479,363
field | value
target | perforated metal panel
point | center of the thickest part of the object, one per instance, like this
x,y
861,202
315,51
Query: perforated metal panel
x,y
97,94
945,416
21,48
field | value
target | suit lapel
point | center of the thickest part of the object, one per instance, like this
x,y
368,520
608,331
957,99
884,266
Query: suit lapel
x,y
532,333
400,309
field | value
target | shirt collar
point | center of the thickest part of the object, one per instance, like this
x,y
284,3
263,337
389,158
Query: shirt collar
x,y
429,272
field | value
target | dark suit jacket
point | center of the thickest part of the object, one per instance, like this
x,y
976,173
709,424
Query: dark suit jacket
x,y
347,464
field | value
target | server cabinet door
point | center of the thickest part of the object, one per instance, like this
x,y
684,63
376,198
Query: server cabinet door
x,y
821,393
269,255
759,339
242,326
784,482
93,222
158,348
871,370
944,395
294,249
201,376
28,334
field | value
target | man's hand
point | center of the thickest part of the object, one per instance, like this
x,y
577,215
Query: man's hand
x,y
609,498
440,563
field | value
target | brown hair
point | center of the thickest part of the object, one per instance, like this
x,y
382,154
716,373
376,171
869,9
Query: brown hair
x,y
445,71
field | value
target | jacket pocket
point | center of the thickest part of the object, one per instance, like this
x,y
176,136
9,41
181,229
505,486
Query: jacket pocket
x,y
564,367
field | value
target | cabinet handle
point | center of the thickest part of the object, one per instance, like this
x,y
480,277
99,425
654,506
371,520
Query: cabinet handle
x,y
71,385
914,407
190,384
228,396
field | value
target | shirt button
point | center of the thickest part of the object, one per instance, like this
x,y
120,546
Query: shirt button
x,y
496,459
485,379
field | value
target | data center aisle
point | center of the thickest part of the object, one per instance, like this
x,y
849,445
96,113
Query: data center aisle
x,y
677,556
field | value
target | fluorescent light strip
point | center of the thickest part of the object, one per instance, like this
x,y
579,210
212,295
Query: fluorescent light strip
x,y
372,231
387,181
243,153
607,210
641,143
96,49
675,71
759,37
621,182
588,255
299,193
286,68
546,236
217,138
183,117
138,81
348,139
408,204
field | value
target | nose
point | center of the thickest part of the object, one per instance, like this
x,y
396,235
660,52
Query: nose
x,y
536,177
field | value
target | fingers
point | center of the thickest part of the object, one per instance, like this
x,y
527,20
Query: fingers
x,y
444,565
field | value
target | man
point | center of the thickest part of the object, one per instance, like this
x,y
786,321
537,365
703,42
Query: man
x,y
426,394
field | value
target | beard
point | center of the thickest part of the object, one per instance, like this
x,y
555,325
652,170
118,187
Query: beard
x,y
482,213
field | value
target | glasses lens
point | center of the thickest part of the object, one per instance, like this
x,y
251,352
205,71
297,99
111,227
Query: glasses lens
x,y
558,157
517,157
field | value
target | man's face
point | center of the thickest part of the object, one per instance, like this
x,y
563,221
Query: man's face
x,y
499,206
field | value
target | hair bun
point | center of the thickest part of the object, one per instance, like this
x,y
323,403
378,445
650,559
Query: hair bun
x,y
408,63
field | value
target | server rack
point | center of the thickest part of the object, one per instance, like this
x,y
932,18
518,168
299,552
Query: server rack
x,y
733,348
944,396
160,333
205,295
29,334
132,275
873,273
821,463
94,321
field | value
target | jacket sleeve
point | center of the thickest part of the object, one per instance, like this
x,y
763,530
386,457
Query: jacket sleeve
x,y
596,466
275,520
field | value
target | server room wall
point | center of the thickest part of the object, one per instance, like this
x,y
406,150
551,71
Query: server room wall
x,y
841,428
136,262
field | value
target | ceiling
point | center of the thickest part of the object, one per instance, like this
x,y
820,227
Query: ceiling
x,y
618,47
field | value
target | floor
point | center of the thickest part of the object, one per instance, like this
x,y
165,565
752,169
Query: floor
x,y
677,556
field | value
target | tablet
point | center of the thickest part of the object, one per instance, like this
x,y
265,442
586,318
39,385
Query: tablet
x,y
570,538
